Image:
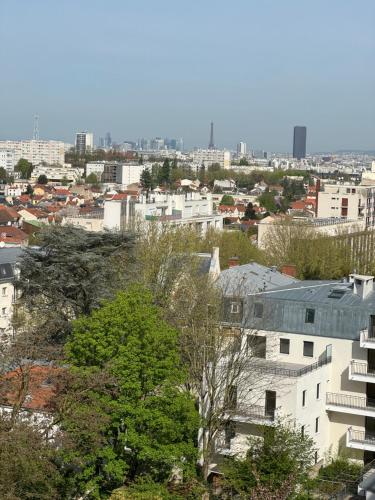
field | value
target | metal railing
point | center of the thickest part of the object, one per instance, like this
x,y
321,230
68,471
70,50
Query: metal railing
x,y
255,411
367,335
358,368
287,372
363,437
355,402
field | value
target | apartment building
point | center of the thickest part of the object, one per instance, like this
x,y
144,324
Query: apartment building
x,y
354,202
57,173
7,159
8,271
314,342
208,157
35,151
84,142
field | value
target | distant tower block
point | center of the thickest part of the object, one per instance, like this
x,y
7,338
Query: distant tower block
x,y
36,128
212,143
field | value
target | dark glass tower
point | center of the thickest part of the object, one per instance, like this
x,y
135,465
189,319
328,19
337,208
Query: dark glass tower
x,y
299,142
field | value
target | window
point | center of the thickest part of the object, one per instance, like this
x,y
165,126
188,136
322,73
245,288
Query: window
x,y
234,307
344,212
303,431
230,433
258,310
308,349
257,345
284,346
344,202
4,311
317,391
4,291
303,398
310,316
317,424
316,457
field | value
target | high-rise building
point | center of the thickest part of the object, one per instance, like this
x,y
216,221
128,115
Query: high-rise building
x,y
51,152
108,140
84,142
299,142
241,148
212,142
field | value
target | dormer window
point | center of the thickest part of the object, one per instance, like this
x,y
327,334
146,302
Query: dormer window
x,y
310,316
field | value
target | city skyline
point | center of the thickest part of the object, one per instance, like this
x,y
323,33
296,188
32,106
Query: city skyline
x,y
145,76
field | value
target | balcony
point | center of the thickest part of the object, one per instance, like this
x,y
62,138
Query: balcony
x,y
360,372
253,414
355,405
367,339
360,440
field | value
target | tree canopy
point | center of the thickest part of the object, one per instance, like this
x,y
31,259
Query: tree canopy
x,y
24,167
42,179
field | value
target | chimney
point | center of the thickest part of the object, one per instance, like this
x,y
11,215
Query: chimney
x,y
289,270
362,285
233,262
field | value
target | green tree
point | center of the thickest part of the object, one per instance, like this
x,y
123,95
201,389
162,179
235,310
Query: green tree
x,y
274,465
267,201
165,172
24,167
243,161
227,200
152,423
29,190
92,179
3,175
70,273
64,181
250,212
42,179
146,180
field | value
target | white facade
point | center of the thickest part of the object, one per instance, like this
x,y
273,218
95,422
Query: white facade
x,y
208,157
350,201
84,142
51,152
57,174
241,148
7,159
131,173
96,168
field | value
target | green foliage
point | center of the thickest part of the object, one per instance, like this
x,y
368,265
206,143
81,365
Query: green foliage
x,y
227,200
282,456
340,469
250,213
3,175
165,173
243,161
146,180
42,179
152,422
92,179
29,190
24,167
267,201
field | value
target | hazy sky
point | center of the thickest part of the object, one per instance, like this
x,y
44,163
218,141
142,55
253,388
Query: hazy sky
x,y
167,68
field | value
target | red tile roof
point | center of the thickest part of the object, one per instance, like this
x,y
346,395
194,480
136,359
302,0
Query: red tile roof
x,y
9,234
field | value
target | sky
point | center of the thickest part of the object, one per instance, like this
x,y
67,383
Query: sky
x,y
167,68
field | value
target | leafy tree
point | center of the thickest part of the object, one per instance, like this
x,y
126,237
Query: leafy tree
x,y
165,172
140,160
146,180
243,161
64,181
92,179
3,175
27,469
267,201
29,190
227,200
152,423
274,465
70,273
174,163
42,179
250,212
24,167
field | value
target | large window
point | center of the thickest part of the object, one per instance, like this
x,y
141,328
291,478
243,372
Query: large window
x,y
258,310
308,349
284,346
310,316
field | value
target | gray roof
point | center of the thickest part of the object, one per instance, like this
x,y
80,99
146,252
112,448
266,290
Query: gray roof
x,y
10,255
251,278
338,311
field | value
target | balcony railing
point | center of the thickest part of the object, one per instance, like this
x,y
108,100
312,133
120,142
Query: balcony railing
x,y
361,437
255,412
357,368
288,372
367,335
347,401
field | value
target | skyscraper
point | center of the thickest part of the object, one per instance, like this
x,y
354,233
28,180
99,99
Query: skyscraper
x,y
299,142
84,142
241,148
212,143
108,140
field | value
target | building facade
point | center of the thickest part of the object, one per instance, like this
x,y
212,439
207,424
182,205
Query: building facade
x,y
51,152
299,142
208,157
84,142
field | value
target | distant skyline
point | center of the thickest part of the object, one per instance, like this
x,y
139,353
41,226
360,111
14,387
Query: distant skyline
x,y
145,69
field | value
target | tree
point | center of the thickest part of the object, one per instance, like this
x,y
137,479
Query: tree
x,y
92,179
250,212
227,200
3,175
274,466
243,161
42,179
146,180
174,163
267,201
29,190
70,273
152,422
165,172
64,181
24,167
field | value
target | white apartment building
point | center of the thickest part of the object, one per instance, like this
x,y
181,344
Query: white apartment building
x,y
57,173
208,157
7,159
84,142
350,201
241,149
51,152
314,342
131,173
8,270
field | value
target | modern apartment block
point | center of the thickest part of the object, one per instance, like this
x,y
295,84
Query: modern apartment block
x,y
7,159
354,202
314,344
36,151
84,142
208,157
